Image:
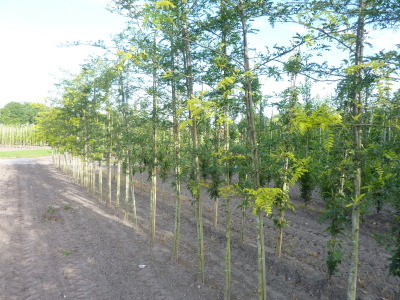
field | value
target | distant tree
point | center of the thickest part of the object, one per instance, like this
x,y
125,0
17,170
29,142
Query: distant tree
x,y
20,113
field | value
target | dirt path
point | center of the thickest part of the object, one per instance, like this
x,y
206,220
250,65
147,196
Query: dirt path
x,y
59,242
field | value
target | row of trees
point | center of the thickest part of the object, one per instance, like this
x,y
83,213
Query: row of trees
x,y
20,135
15,113
17,124
184,94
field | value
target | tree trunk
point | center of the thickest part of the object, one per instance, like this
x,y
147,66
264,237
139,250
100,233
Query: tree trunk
x,y
118,196
227,293
109,181
100,181
357,114
127,181
94,178
177,148
196,162
153,198
262,295
134,214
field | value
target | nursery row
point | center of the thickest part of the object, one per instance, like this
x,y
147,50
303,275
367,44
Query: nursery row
x,y
186,94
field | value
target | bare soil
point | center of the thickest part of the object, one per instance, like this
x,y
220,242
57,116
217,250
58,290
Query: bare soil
x,y
57,241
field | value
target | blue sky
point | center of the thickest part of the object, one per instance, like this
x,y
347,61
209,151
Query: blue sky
x,y
30,32
31,61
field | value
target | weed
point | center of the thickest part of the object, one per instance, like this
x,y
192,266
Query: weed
x,y
66,252
66,207
50,213
52,210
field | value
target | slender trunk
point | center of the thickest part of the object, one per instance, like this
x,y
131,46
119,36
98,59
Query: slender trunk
x,y
177,148
81,173
59,158
196,162
118,196
357,114
153,199
262,295
216,207
134,215
127,180
53,156
216,177
65,162
94,177
342,179
109,153
242,223
87,175
100,181
227,293
285,189
74,167
109,179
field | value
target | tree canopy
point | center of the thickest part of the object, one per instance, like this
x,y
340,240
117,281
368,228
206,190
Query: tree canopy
x,y
15,113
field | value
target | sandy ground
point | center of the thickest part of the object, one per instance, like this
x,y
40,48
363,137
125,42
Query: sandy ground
x,y
57,241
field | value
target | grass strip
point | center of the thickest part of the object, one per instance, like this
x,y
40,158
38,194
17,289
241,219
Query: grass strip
x,y
25,153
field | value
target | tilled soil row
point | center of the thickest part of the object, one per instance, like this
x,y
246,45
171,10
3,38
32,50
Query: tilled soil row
x,y
60,242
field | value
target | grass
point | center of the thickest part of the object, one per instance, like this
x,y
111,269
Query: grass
x,y
25,153
66,252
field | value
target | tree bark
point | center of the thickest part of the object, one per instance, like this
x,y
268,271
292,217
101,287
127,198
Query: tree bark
x,y
357,114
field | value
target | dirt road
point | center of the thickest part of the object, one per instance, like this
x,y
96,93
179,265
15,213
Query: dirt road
x,y
59,242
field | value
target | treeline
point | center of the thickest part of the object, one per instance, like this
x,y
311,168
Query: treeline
x,y
17,124
184,94
15,113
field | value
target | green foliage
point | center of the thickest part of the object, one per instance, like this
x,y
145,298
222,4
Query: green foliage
x,y
164,4
294,171
15,113
265,198
333,260
336,213
307,184
323,117
294,65
394,247
228,191
394,268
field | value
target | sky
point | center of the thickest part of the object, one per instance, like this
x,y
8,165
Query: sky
x,y
31,60
31,32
